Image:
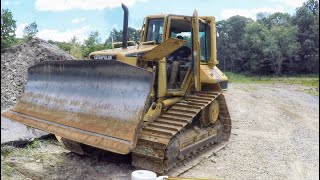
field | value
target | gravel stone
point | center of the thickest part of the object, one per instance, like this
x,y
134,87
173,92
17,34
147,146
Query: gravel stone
x,y
17,59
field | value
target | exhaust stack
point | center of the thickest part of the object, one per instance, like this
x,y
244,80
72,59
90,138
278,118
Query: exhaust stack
x,y
125,26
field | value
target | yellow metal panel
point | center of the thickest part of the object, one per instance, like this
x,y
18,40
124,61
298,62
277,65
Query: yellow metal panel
x,y
196,50
211,75
163,50
162,79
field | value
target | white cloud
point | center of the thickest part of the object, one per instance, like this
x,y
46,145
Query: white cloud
x,y
250,13
78,20
63,5
19,30
55,35
7,3
291,3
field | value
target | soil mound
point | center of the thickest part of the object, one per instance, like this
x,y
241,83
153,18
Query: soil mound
x,y
17,59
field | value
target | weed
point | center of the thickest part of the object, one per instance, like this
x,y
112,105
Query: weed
x,y
34,144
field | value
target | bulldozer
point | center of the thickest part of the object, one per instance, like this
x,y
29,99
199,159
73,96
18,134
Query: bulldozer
x,y
160,100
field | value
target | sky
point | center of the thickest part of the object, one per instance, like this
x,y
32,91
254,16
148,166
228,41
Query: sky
x,y
60,20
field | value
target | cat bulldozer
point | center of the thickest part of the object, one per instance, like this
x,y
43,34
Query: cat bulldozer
x,y
160,100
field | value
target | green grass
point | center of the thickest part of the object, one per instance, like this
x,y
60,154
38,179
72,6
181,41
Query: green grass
x,y
5,150
306,80
34,144
310,81
27,149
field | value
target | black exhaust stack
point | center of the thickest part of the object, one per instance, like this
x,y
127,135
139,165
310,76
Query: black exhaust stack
x,y
125,26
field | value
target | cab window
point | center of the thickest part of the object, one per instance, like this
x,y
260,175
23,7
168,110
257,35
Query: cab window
x,y
204,36
155,30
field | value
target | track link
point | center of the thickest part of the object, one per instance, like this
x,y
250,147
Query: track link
x,y
156,148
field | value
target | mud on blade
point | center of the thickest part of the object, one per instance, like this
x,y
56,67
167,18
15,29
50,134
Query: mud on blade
x,y
99,103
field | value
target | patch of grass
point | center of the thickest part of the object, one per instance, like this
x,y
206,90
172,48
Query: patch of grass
x,y
311,81
312,92
306,80
6,150
24,150
33,145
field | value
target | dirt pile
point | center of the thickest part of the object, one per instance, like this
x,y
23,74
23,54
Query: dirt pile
x,y
15,62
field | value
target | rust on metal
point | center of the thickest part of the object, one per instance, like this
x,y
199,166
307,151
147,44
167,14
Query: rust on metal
x,y
100,103
168,142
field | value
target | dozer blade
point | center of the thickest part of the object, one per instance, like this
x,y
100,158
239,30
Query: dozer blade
x,y
96,102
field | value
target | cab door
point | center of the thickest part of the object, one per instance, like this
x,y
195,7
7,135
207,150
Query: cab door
x,y
196,50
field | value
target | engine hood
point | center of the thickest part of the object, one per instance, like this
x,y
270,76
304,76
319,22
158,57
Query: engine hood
x,y
128,55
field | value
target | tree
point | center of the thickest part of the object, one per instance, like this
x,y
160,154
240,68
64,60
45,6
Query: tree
x,y
76,48
8,28
65,46
92,43
307,20
229,42
285,47
30,31
277,18
282,47
256,42
116,36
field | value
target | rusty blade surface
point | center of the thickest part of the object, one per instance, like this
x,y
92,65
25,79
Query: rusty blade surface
x,y
99,103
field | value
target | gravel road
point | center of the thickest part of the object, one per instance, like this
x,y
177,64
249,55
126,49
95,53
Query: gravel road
x,y
275,135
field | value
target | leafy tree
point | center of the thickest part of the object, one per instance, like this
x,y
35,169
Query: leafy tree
x,y
231,32
281,45
76,48
8,27
285,47
65,46
256,42
133,34
274,19
275,43
116,36
92,43
30,31
307,21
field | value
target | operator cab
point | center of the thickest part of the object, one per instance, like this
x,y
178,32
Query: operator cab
x,y
157,29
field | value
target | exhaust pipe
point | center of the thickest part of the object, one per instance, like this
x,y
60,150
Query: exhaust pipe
x,y
125,26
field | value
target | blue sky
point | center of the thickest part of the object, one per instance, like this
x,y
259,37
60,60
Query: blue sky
x,y
60,20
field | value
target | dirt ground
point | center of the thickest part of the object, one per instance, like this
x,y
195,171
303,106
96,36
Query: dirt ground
x,y
275,135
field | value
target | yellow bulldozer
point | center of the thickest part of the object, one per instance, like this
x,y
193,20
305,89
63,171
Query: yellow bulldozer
x,y
160,99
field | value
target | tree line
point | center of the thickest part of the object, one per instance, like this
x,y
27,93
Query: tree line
x,y
273,44
277,43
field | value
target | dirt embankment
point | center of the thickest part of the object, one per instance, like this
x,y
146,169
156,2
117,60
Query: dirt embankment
x,y
275,135
15,62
